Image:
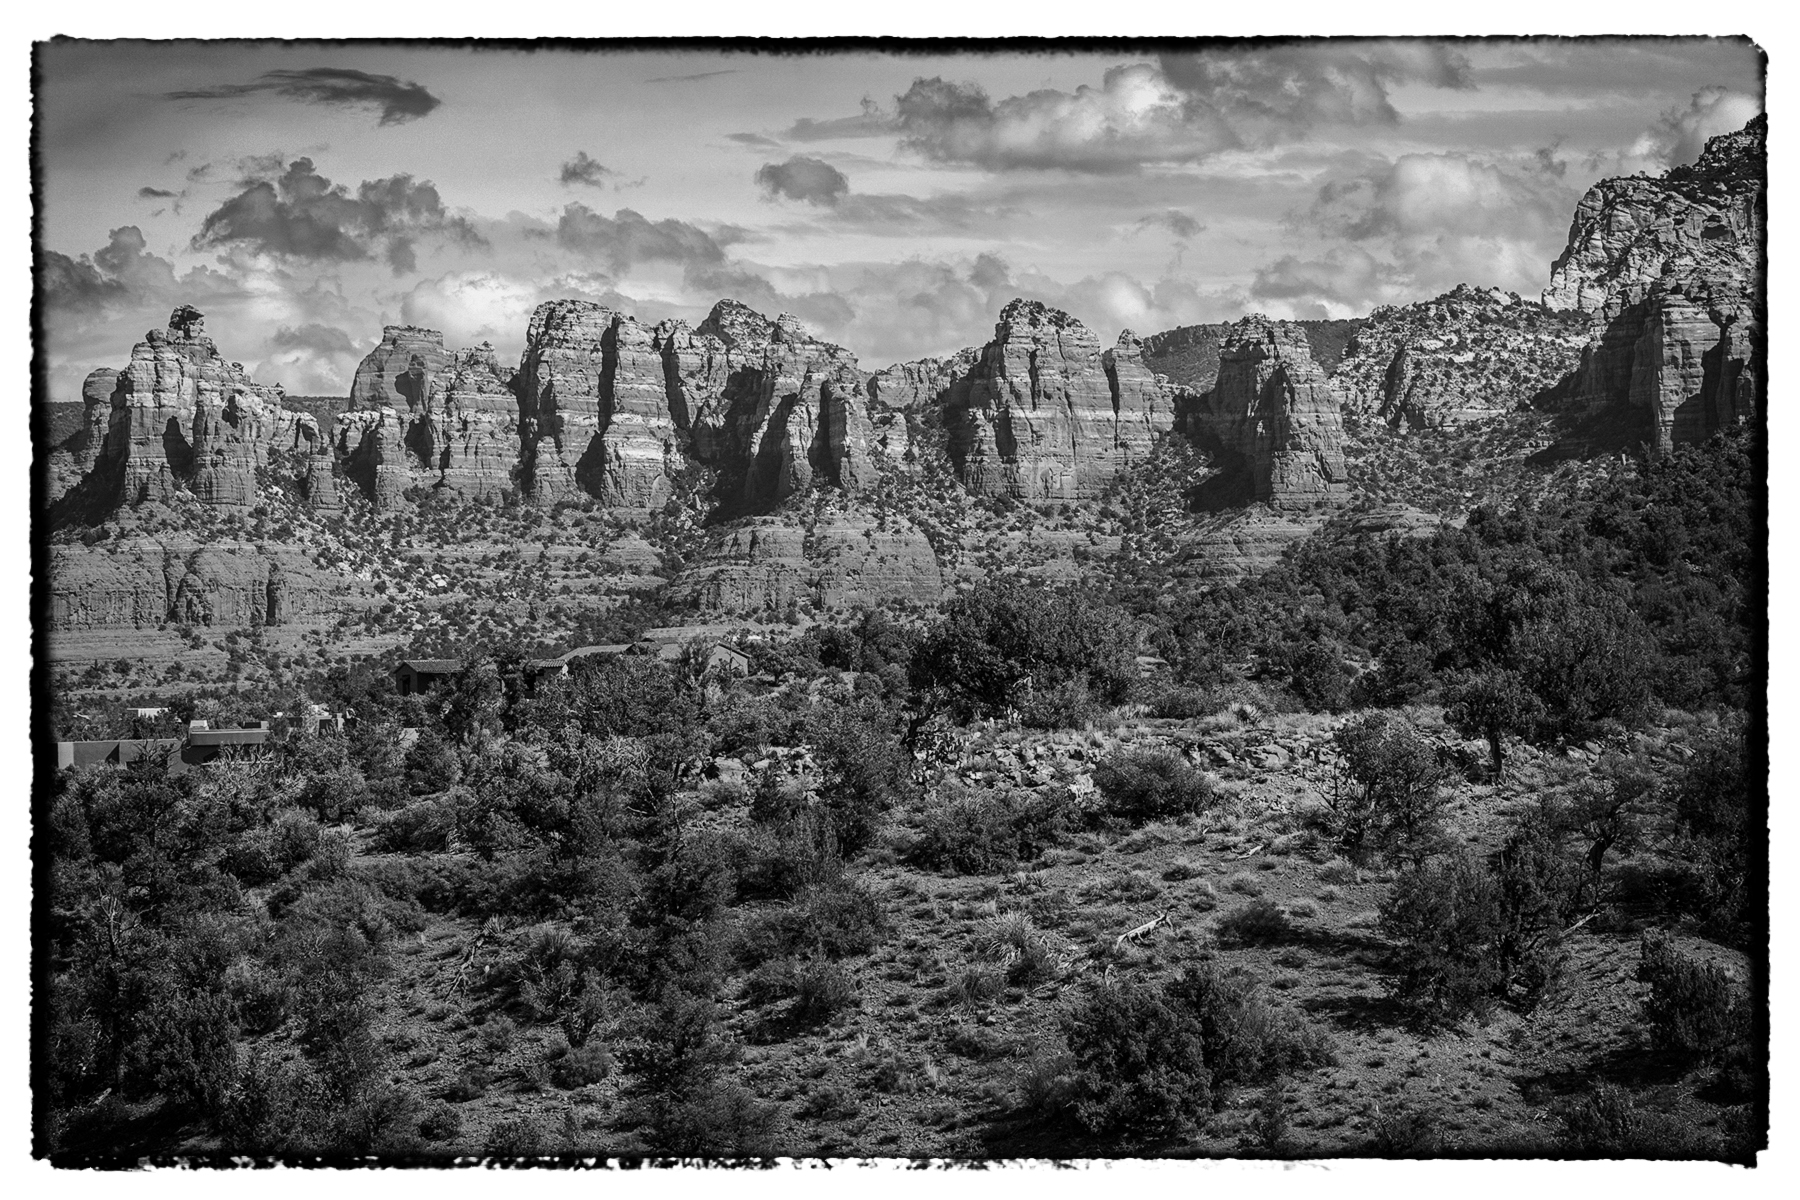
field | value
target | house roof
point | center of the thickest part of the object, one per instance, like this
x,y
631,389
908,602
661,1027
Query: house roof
x,y
431,666
590,651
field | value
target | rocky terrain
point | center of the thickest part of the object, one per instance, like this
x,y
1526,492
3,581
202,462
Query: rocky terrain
x,y
1468,355
745,466
1670,272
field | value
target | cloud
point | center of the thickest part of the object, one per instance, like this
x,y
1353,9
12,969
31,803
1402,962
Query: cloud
x,y
690,78
802,178
628,238
1183,108
1681,134
151,193
1302,84
754,139
871,122
398,101
1347,276
323,339
302,215
1418,226
121,274
1174,220
584,170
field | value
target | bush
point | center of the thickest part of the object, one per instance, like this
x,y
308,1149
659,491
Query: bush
x,y
419,828
1694,1008
515,1137
1607,1123
714,1118
975,831
1404,1132
1151,784
442,1122
1445,919
822,989
1390,793
838,922
1258,923
581,1066
471,1083
1140,1067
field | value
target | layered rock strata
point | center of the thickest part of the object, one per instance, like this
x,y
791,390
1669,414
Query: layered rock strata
x,y
834,559
1671,272
1467,355
1272,410
180,420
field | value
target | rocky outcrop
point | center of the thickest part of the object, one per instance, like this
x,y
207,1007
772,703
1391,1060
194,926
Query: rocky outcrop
x,y
143,582
1273,412
469,434
398,372
1189,355
180,420
1470,354
1040,413
1671,272
836,558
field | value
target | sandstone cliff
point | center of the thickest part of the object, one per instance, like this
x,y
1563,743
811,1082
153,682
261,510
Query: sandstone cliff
x,y
1189,355
1469,354
1273,412
180,421
833,558
1671,271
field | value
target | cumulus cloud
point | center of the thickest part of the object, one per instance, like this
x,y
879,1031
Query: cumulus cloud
x,y
1183,108
325,339
1417,226
628,238
121,273
302,215
584,170
872,121
397,100
1681,134
812,180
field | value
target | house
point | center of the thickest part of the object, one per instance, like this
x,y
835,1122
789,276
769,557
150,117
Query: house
x,y
120,752
206,744
416,676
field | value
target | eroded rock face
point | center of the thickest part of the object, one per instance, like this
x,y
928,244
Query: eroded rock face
x,y
1671,271
1273,410
1040,413
142,582
470,430
398,372
1470,354
836,559
181,420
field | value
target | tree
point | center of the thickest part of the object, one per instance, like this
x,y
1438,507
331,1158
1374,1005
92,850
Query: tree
x,y
1445,918
1389,792
1492,703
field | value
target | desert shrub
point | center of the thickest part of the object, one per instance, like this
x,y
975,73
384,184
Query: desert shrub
x,y
418,828
1694,1008
471,1083
294,836
1316,674
984,831
1719,830
1048,1083
1063,704
1267,1132
1608,1123
581,1066
1389,792
863,769
1027,953
1405,1132
974,986
1258,923
514,1137
1245,1040
831,1102
259,996
838,922
498,1032
1140,1069
713,1118
442,1122
1445,920
1151,784
822,989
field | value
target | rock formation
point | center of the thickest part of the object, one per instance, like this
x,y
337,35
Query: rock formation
x,y
1469,354
837,558
1040,413
1189,355
1274,412
398,372
179,420
1671,271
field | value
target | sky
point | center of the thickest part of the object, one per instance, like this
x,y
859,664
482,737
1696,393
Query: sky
x,y
304,195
